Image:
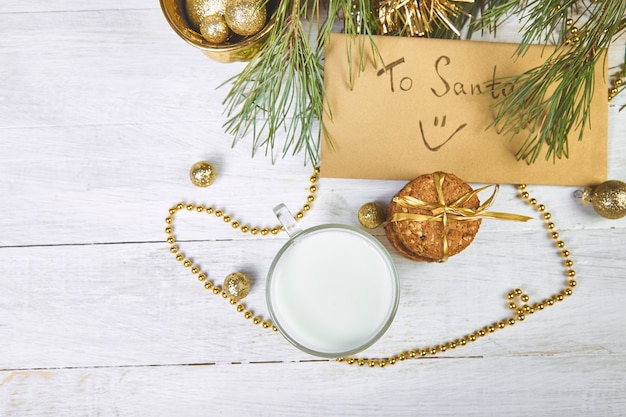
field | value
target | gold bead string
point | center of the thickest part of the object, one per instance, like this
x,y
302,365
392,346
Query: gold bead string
x,y
202,276
517,301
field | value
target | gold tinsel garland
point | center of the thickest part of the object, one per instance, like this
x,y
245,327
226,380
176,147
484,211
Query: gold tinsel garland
x,y
418,17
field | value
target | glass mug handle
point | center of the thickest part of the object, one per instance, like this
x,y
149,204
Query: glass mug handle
x,y
287,220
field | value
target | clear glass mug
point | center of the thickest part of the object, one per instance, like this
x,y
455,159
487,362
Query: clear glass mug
x,y
332,290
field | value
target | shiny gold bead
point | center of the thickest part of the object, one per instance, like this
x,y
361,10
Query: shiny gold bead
x,y
618,82
510,321
199,209
452,345
510,295
310,198
391,361
190,207
180,257
547,216
550,225
567,292
254,231
172,210
512,306
350,361
186,263
412,354
462,341
559,297
481,332
521,187
241,308
541,207
382,363
195,269
568,262
554,235
201,276
313,179
402,356
443,348
569,22
244,229
518,291
299,215
491,328
208,285
521,317
180,206
471,337
232,302
549,301
565,253
574,30
520,310
170,240
202,174
266,324
313,189
533,201
248,315
360,362
560,244
218,213
237,285
572,283
501,325
264,232
576,39
524,298
422,352
169,229
217,290
306,207
371,363
224,295
226,219
235,225
274,230
432,351
257,320
525,194
209,210
173,249
274,328
169,220
571,273
316,170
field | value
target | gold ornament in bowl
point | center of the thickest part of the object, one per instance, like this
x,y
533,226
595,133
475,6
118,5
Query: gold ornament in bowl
x,y
236,48
245,17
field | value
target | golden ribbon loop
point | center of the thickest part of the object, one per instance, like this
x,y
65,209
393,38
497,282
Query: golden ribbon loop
x,y
450,213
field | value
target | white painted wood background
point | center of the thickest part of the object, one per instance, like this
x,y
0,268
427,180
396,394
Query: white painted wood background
x,y
103,109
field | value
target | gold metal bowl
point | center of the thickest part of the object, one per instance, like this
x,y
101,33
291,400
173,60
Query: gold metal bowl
x,y
236,49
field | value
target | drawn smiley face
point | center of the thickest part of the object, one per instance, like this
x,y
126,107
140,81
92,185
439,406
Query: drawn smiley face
x,y
435,141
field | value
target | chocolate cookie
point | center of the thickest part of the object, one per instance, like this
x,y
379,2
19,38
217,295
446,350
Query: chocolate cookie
x,y
423,240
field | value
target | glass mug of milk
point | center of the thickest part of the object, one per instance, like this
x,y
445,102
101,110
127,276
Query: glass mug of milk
x,y
332,290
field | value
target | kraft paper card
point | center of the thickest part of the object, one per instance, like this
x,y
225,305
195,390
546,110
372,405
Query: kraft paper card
x,y
423,111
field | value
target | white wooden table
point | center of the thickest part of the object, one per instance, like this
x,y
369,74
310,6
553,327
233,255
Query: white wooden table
x,y
103,109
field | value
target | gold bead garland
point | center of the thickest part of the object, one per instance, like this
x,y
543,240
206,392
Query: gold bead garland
x,y
254,230
517,300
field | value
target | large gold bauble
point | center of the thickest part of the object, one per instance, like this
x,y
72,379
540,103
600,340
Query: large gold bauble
x,y
198,10
245,17
237,285
371,215
202,174
608,199
214,29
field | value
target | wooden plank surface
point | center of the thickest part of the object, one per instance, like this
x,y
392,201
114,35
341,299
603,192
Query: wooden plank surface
x,y
102,112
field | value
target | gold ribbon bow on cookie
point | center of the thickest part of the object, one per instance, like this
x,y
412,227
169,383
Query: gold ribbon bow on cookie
x,y
450,213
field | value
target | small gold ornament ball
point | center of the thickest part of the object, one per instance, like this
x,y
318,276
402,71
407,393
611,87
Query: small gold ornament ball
x,y
197,10
371,215
214,29
608,199
237,285
245,17
202,174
